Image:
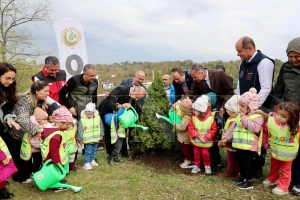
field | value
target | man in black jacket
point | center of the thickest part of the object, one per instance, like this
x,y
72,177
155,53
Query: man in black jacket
x,y
182,82
121,96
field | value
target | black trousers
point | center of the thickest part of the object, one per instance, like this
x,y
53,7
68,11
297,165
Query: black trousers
x,y
244,159
36,161
215,157
259,161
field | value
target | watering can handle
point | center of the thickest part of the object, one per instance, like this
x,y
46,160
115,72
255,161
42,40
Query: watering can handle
x,y
59,166
132,108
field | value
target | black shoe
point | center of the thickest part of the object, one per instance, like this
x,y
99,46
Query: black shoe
x,y
110,160
217,167
238,180
63,181
296,190
257,174
118,159
127,155
4,194
247,185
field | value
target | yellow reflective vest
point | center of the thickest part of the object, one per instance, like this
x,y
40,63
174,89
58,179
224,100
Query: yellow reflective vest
x,y
243,138
226,126
91,130
71,138
202,128
26,151
283,146
63,151
4,148
114,134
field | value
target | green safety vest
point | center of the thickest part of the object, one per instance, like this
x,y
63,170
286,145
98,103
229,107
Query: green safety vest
x,y
243,138
282,146
26,152
202,128
226,126
115,133
91,130
71,138
4,148
63,151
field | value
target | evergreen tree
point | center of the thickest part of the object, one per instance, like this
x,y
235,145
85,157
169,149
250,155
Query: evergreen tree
x,y
160,134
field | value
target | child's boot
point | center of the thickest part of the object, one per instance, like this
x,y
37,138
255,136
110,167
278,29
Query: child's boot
x,y
227,174
118,159
72,167
207,170
110,160
4,194
186,164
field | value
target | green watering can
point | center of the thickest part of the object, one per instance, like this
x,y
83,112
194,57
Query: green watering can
x,y
129,117
174,116
50,176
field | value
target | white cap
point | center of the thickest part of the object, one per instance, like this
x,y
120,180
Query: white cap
x,y
201,103
91,107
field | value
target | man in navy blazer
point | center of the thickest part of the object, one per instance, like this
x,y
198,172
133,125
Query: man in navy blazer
x,y
182,82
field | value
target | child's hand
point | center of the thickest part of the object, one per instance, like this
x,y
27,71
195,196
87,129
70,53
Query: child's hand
x,y
101,137
221,143
81,143
6,161
202,139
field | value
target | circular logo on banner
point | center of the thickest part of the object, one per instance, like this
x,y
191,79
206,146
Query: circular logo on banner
x,y
71,37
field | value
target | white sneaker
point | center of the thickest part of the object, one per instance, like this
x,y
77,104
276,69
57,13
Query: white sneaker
x,y
267,182
279,191
87,166
29,180
195,170
186,164
93,163
207,170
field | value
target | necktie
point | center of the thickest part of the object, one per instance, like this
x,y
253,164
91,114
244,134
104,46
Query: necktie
x,y
206,85
185,88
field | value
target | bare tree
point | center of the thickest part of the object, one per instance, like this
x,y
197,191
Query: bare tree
x,y
16,40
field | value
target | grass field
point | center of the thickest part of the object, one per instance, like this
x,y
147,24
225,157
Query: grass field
x,y
140,178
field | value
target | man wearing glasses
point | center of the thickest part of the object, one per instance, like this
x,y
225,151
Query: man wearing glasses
x,y
55,78
80,90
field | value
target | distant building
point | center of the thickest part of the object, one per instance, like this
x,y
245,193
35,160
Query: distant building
x,y
107,85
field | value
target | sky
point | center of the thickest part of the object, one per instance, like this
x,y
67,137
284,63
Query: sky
x,y
170,30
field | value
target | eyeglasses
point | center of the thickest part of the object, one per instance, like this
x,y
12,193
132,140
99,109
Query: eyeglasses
x,y
91,76
52,70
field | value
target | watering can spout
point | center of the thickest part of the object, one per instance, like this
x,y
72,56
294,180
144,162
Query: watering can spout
x,y
165,118
138,126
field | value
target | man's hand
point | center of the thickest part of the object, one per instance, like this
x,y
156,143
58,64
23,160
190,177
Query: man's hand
x,y
126,105
11,123
73,111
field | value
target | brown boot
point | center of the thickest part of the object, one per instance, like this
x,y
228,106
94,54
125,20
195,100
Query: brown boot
x,y
227,174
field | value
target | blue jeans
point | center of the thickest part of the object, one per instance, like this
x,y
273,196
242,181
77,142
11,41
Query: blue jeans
x,y
90,152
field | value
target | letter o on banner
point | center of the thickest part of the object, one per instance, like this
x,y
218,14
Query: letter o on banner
x,y
79,64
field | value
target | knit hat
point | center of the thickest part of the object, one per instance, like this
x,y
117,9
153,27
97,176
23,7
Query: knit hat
x,y
250,98
201,103
220,66
294,45
39,114
212,98
91,107
186,106
62,114
232,104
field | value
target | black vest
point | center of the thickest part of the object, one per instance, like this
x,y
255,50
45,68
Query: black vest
x,y
248,76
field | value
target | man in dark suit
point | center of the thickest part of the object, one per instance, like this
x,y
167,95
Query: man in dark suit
x,y
182,82
121,96
212,80
137,80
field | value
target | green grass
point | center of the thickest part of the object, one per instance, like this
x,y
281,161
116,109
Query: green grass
x,y
138,179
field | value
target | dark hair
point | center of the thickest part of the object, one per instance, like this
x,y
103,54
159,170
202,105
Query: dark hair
x,y
88,66
52,60
197,68
293,111
220,66
37,86
246,42
177,69
9,95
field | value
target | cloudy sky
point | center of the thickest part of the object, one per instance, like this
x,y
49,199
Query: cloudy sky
x,y
162,30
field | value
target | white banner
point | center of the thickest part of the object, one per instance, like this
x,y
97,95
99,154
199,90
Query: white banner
x,y
71,46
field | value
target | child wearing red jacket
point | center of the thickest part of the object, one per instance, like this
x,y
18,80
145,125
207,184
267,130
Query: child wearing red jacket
x,y
202,129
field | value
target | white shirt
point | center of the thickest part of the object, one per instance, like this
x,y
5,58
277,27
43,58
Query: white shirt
x,y
265,72
207,79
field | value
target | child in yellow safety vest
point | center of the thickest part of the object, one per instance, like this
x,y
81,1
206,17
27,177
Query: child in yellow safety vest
x,y
202,129
7,168
90,132
71,138
232,109
30,148
281,136
244,133
185,107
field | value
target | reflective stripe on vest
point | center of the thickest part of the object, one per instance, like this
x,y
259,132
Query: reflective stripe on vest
x,y
26,152
63,151
243,138
226,126
114,133
283,146
71,138
202,128
91,129
4,148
